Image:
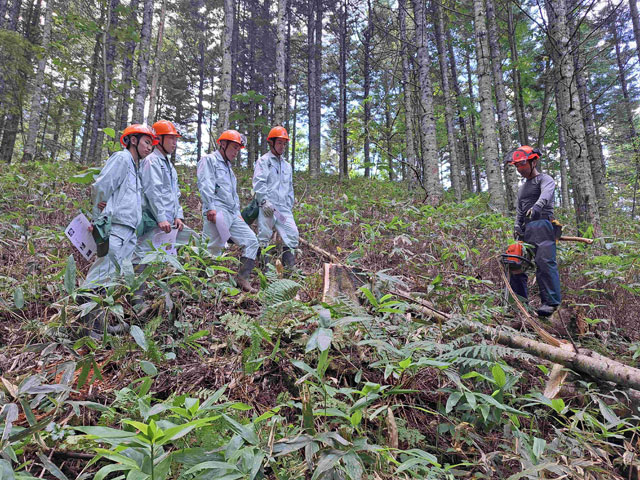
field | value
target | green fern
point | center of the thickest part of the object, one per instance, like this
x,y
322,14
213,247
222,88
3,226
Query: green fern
x,y
486,356
239,324
280,291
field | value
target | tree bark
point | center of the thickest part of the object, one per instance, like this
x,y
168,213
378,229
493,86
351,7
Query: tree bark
x,y
474,130
489,140
635,20
280,91
510,175
546,103
366,74
225,74
342,107
631,133
143,63
430,164
568,102
201,75
521,117
36,104
314,72
153,94
596,160
407,89
122,114
3,12
448,102
468,167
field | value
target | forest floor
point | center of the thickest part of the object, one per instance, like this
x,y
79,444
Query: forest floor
x,y
281,385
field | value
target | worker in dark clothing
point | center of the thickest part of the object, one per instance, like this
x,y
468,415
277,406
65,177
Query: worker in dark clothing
x,y
533,225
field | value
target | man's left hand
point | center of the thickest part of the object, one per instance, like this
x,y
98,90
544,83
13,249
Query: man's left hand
x,y
179,224
534,212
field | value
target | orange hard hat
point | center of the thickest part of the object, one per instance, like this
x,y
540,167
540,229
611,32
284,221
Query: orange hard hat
x,y
278,132
165,127
523,153
140,129
232,136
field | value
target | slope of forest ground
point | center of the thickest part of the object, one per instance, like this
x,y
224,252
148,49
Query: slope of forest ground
x,y
213,383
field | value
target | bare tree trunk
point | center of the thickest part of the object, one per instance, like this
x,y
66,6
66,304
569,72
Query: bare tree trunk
x,y
88,117
312,88
489,140
201,70
596,160
36,106
314,74
407,89
366,73
635,20
448,102
632,134
523,134
58,120
564,177
510,175
3,12
569,104
225,74
474,130
294,135
546,104
122,114
153,94
280,91
143,63
468,167
342,114
431,177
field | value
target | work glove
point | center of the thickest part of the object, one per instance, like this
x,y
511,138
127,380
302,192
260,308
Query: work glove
x,y
267,209
518,234
534,212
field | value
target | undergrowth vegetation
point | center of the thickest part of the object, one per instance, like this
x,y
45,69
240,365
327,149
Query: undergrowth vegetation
x,y
211,383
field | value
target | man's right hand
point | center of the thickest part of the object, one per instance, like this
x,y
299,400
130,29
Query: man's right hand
x,y
211,216
164,226
101,205
518,235
267,209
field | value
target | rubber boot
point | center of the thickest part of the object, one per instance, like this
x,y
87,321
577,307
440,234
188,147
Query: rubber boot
x,y
546,310
288,258
242,279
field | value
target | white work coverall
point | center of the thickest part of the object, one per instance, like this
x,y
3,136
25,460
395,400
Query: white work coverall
x,y
218,191
119,186
273,181
161,198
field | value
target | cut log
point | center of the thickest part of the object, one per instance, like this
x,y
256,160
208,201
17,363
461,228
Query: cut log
x,y
584,361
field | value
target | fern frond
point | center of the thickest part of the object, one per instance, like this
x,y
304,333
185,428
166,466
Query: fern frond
x,y
280,291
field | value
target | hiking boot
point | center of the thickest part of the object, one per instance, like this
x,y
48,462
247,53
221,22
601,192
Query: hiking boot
x,y
546,310
242,279
288,258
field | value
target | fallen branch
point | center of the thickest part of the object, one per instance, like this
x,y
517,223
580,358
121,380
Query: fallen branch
x,y
319,250
584,361
565,238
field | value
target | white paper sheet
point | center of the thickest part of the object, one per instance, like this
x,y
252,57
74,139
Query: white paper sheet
x,y
78,232
166,241
223,229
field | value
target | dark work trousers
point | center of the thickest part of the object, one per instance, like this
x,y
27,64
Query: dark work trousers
x,y
540,234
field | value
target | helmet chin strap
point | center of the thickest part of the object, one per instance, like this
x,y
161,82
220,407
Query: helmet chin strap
x,y
161,145
224,151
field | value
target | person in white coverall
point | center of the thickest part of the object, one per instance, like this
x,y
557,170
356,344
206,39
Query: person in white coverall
x,y
116,198
221,205
273,187
161,192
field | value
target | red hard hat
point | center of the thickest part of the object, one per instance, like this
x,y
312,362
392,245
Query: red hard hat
x,y
165,127
232,136
278,132
523,153
141,129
